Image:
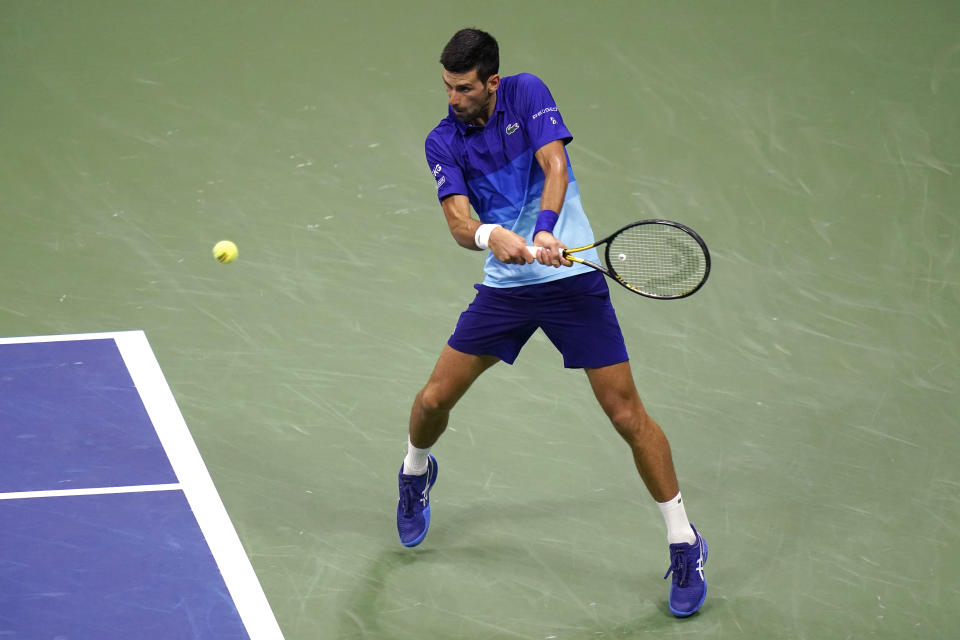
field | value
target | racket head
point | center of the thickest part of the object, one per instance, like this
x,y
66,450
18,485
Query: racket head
x,y
659,259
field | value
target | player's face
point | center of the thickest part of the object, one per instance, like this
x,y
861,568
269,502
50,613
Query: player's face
x,y
472,101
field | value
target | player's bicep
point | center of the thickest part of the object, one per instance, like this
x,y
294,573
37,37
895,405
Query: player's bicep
x,y
456,209
552,158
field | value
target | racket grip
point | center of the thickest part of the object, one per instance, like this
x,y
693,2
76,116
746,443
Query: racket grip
x,y
535,251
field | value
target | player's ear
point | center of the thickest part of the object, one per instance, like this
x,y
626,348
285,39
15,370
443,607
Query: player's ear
x,y
493,82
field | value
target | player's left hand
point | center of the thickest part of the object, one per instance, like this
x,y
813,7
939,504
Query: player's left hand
x,y
551,250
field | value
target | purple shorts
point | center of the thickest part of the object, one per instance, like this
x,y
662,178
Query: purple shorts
x,y
575,313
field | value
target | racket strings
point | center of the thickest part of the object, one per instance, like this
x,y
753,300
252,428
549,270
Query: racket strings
x,y
658,260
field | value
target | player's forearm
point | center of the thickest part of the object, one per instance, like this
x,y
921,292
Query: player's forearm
x,y
463,228
551,201
553,162
554,187
465,234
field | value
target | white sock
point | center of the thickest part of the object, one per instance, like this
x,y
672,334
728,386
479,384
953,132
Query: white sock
x,y
415,464
678,527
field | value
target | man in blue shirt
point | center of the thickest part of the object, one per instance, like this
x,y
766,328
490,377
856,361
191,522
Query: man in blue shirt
x,y
502,151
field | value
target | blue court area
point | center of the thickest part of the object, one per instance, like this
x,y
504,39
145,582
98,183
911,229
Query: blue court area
x,y
110,566
98,536
73,418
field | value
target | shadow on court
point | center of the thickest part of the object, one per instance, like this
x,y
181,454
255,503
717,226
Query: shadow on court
x,y
526,587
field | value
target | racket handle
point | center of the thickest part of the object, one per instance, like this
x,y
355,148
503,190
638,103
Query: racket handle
x,y
535,251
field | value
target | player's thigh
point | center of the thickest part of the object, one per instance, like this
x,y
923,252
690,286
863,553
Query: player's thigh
x,y
453,374
616,392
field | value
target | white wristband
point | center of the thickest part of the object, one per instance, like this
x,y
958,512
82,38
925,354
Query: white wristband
x,y
482,236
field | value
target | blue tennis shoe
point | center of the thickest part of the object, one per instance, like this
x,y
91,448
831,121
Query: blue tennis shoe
x,y
413,509
689,587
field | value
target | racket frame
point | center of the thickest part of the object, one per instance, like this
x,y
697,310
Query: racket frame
x,y
612,272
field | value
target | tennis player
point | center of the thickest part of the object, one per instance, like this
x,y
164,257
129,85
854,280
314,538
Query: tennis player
x,y
501,150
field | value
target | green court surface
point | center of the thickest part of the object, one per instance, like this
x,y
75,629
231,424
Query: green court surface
x,y
810,390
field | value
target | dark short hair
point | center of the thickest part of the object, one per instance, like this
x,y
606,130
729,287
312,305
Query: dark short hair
x,y
472,49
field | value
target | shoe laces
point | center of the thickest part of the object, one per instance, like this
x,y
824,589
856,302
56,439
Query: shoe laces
x,y
408,497
678,567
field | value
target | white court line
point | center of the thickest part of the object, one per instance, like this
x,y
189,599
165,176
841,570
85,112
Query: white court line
x,y
195,481
67,337
98,491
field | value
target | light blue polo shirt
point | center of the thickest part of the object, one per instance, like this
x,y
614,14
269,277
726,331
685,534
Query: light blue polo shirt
x,y
495,167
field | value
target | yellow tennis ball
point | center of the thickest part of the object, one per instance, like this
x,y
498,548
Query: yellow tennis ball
x,y
225,251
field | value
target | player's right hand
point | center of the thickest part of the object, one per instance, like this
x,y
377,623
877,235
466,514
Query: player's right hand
x,y
509,247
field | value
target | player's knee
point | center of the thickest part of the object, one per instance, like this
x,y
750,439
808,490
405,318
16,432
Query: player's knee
x,y
432,400
632,423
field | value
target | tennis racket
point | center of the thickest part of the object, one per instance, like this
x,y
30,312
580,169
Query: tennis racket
x,y
656,258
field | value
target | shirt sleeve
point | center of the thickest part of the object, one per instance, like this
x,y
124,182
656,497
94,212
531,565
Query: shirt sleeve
x,y
544,123
448,175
